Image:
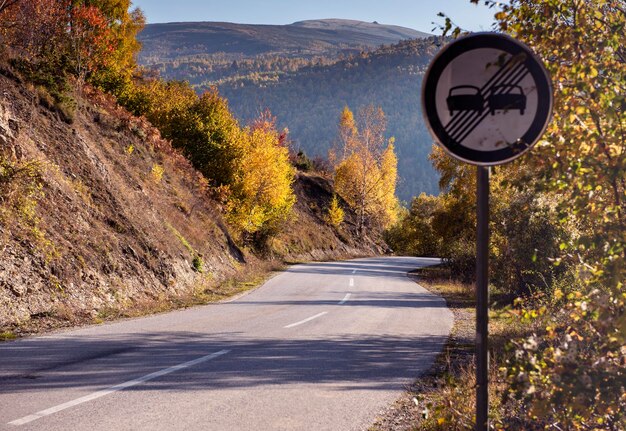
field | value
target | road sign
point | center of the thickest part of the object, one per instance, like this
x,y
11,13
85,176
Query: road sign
x,y
486,98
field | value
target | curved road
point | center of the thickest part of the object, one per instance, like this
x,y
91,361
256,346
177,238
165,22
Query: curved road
x,y
323,346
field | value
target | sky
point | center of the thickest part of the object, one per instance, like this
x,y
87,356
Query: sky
x,y
416,14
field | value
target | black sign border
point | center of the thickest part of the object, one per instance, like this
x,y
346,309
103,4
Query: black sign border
x,y
504,43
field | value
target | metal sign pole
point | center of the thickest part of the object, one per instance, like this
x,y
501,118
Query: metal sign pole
x,y
482,299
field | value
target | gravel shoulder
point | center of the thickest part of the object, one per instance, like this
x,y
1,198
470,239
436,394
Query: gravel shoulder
x,y
408,411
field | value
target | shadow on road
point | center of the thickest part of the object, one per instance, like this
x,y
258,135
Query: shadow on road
x,y
388,299
388,267
348,362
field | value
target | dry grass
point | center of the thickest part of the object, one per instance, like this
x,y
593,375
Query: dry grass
x,y
207,291
7,336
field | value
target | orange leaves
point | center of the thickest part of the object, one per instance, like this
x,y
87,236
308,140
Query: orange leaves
x,y
91,41
34,29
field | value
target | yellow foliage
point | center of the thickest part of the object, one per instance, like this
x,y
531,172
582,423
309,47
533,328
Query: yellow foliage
x,y
366,169
261,195
157,172
335,212
386,199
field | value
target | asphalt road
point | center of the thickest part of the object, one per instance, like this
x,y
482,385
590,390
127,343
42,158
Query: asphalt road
x,y
322,346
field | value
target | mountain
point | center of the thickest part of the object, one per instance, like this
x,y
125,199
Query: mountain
x,y
309,101
390,32
305,73
300,39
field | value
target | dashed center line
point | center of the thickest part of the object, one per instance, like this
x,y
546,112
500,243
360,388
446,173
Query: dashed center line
x,y
351,282
345,298
308,319
107,391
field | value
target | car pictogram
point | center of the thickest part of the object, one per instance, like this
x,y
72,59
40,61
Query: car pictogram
x,y
465,98
506,97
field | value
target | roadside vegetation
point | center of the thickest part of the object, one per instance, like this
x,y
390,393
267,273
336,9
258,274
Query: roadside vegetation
x,y
558,249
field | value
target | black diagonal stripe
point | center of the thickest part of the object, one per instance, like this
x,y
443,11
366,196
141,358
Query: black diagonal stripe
x,y
459,129
463,134
470,130
496,76
472,115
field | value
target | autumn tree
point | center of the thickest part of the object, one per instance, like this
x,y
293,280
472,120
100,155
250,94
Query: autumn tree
x,y
124,23
366,167
260,195
335,214
4,4
94,39
36,30
414,234
203,128
90,41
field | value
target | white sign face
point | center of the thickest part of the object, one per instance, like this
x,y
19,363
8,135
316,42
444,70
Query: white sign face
x,y
486,98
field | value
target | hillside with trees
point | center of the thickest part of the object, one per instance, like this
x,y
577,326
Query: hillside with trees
x,y
304,39
306,89
123,194
309,101
210,53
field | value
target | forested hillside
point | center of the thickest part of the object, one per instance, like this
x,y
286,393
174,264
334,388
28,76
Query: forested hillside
x,y
207,53
310,101
307,95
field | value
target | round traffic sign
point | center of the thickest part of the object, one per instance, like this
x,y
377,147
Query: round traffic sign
x,y
486,98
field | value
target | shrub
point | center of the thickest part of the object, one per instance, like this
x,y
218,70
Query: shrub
x,y
335,213
302,162
414,234
157,172
20,188
198,264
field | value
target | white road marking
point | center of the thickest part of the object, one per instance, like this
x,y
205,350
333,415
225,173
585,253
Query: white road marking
x,y
345,298
308,319
354,271
107,391
351,282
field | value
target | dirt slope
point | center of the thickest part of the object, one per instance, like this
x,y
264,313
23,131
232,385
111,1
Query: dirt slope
x,y
121,220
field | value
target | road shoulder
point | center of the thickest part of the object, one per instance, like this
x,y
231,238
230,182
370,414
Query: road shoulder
x,y
410,410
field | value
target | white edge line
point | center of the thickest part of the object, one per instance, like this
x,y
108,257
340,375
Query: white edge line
x,y
308,319
107,391
345,298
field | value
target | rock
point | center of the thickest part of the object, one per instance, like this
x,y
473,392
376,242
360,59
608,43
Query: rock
x,y
18,289
14,125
